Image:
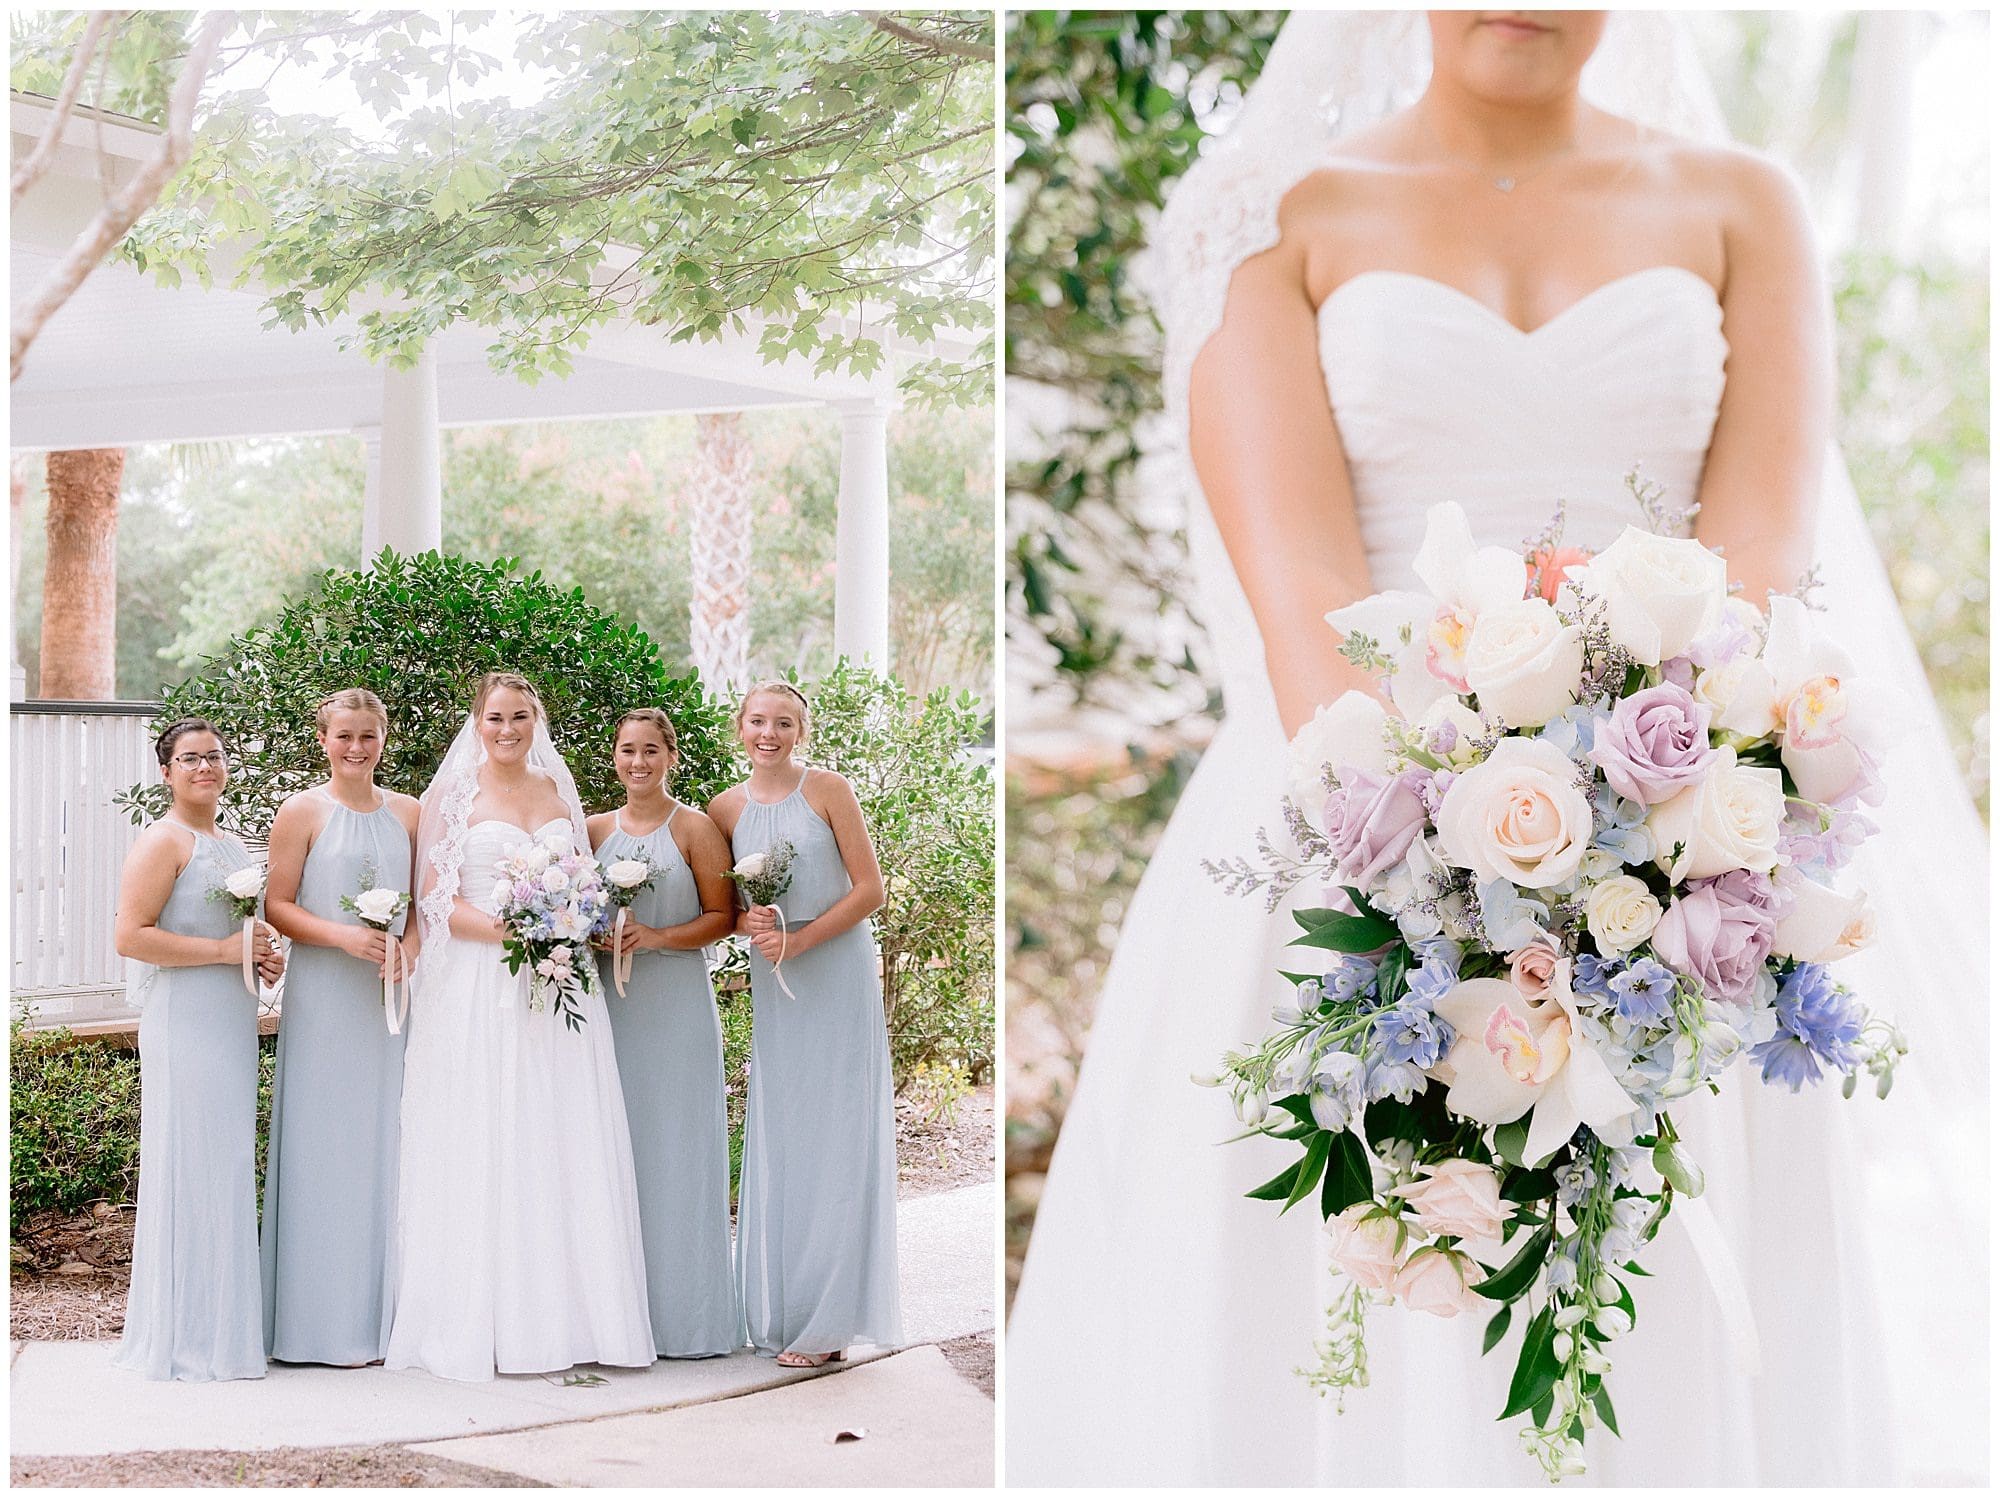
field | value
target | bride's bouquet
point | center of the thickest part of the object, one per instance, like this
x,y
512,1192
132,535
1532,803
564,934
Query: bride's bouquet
x,y
1589,862
553,902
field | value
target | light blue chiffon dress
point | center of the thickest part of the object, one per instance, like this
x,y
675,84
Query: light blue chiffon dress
x,y
816,1207
669,1044
194,1310
330,1174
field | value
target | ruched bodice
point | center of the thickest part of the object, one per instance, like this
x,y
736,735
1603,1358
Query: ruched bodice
x,y
487,842
1437,397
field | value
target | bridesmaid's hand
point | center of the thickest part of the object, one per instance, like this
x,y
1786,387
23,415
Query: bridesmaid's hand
x,y
397,958
267,955
778,945
758,919
366,944
638,938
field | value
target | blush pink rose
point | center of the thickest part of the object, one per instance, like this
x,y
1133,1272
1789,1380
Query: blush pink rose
x,y
1371,820
1533,967
1366,1246
1460,1198
1439,1281
1720,931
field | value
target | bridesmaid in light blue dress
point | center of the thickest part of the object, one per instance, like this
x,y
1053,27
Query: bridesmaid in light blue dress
x,y
194,1311
669,1042
816,1208
330,1173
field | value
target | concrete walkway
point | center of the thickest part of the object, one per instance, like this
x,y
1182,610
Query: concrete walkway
x,y
65,1398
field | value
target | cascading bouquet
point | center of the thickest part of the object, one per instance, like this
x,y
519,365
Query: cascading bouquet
x,y
1589,862
552,900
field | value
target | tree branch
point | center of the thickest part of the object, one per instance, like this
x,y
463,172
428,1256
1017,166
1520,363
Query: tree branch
x,y
29,172
115,219
930,41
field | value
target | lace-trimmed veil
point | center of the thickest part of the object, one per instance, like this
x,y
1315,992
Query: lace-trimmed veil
x,y
1332,72
447,812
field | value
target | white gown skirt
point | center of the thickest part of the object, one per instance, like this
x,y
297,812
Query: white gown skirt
x,y
1161,1316
519,1245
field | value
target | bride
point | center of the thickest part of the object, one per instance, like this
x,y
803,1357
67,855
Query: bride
x,y
518,1234
1505,286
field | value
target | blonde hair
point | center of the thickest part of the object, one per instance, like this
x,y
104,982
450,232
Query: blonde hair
x,y
352,700
784,688
654,718
494,681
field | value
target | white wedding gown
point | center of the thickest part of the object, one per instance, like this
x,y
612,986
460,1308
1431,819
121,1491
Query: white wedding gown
x,y
518,1220
1161,1315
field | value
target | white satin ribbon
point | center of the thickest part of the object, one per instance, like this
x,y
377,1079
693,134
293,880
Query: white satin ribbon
x,y
621,960
249,946
395,990
778,967
1719,1264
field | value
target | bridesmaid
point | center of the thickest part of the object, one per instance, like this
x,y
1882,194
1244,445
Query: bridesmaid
x,y
816,1210
669,1042
330,1184
193,1311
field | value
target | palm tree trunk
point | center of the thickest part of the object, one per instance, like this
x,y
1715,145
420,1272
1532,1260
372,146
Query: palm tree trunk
x,y
80,587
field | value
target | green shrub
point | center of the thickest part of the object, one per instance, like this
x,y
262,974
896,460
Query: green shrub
x,y
74,1121
419,632
930,809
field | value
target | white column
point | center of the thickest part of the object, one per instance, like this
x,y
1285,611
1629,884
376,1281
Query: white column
x,y
861,535
1882,128
403,505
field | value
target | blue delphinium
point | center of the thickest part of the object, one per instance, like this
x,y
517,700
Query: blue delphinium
x,y
1621,826
1410,1032
1574,1178
1643,992
1335,1091
1351,978
1818,1021
1397,1079
1590,978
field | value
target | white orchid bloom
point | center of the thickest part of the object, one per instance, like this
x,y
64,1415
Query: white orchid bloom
x,y
1424,635
1513,1054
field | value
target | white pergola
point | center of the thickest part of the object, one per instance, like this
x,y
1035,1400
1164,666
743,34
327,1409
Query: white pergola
x,y
126,362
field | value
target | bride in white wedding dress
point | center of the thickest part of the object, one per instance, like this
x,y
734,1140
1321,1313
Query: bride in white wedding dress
x,y
518,1241
1504,295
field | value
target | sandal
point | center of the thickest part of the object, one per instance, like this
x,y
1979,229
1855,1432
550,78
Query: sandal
x,y
789,1359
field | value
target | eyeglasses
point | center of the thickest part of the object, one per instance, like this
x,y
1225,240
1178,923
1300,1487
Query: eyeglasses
x,y
215,759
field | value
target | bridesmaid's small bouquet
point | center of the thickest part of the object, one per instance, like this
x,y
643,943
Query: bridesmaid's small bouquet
x,y
625,879
554,903
1588,863
243,892
763,878
377,906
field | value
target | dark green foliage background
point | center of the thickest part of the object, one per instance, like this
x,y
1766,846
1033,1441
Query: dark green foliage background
x,y
419,632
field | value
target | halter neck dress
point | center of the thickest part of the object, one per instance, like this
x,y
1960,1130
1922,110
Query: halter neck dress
x,y
194,1311
330,1180
669,1044
816,1209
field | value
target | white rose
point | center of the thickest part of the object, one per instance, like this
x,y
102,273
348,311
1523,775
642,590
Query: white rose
x,y
1738,696
628,873
1621,914
378,906
1729,820
1661,593
1524,663
1518,816
1822,924
1345,734
536,858
246,884
503,892
555,881
751,866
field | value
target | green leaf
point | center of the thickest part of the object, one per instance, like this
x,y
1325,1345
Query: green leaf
x,y
1536,1370
1279,1187
1496,1329
1512,1282
1337,931
1528,1186
1309,1168
1510,1139
1601,1397
1678,1168
1349,1178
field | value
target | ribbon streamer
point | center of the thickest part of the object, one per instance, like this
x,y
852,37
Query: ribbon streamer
x,y
778,967
395,989
621,960
249,946
1725,1280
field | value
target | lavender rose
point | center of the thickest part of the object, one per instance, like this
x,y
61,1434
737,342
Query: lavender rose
x,y
1720,931
1655,744
1371,820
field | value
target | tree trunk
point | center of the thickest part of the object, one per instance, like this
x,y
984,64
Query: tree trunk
x,y
80,587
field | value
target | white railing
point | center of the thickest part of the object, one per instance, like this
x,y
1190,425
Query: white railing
x,y
69,760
